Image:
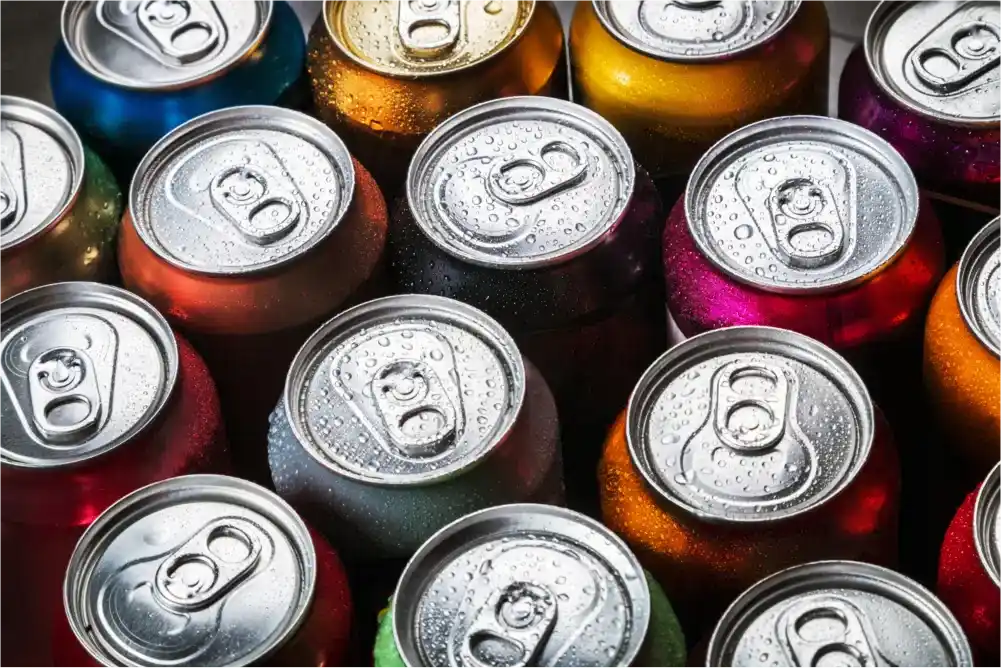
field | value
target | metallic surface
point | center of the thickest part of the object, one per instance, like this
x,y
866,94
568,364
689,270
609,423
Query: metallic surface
x,y
671,109
986,532
978,286
404,413
838,613
197,570
526,585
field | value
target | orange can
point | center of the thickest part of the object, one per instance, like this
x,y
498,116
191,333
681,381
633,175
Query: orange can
x,y
744,451
675,77
248,227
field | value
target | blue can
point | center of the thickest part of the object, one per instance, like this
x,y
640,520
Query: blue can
x,y
127,73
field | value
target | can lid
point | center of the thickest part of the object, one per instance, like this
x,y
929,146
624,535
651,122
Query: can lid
x,y
521,182
422,38
85,368
801,204
241,190
201,570
838,613
978,284
405,390
749,425
522,585
939,59
162,44
695,30
41,169
986,529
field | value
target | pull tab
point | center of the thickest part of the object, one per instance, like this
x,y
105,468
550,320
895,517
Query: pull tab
x,y
751,405
184,30
412,402
809,233
697,5
538,171
257,206
511,628
13,196
952,56
825,630
217,558
65,401
415,19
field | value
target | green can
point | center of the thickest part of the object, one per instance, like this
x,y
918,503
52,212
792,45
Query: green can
x,y
529,585
60,207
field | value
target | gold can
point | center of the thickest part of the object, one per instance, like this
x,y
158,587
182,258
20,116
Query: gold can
x,y
676,77
385,73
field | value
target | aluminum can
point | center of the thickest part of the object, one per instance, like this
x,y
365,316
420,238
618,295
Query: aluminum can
x,y
204,570
675,77
744,451
529,585
533,210
249,227
386,73
125,74
100,398
838,613
968,573
60,205
405,413
926,79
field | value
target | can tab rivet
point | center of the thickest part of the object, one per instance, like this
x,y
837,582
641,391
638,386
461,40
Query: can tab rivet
x,y
201,571
429,28
951,57
809,233
174,32
13,197
825,630
511,628
65,401
255,203
538,171
412,402
751,406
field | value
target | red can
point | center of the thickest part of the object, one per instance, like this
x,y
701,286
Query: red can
x,y
968,579
204,570
101,398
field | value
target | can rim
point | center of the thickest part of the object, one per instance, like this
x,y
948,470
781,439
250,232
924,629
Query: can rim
x,y
71,14
872,38
744,137
879,580
411,580
52,122
188,487
980,246
98,295
484,113
988,496
326,11
699,347
348,322
217,122
606,23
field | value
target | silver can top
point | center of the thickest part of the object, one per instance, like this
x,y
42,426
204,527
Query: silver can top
x,y
695,30
749,424
939,59
162,44
85,368
522,585
520,182
41,169
241,190
986,529
838,613
978,285
405,390
200,570
801,203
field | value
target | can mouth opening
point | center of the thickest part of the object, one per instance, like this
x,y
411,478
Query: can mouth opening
x,y
975,260
746,339
986,532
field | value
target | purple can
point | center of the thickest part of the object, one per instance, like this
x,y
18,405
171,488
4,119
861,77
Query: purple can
x,y
927,79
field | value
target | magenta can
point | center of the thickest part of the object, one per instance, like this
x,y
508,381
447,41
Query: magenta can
x,y
926,78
